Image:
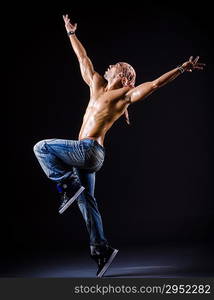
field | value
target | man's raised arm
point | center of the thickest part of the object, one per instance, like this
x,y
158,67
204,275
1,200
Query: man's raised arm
x,y
145,89
86,66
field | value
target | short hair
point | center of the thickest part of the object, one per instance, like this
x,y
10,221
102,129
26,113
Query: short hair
x,y
128,72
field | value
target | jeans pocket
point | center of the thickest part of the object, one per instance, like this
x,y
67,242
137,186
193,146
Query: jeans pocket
x,y
94,159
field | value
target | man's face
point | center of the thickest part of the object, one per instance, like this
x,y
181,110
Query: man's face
x,y
112,71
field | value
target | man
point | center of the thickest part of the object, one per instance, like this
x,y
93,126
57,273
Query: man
x,y
72,164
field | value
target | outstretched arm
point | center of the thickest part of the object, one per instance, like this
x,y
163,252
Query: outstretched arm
x,y
145,89
86,66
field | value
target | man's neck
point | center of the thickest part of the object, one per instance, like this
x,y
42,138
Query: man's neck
x,y
112,85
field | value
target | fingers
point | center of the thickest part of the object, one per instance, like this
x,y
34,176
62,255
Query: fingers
x,y
66,19
193,64
196,60
198,68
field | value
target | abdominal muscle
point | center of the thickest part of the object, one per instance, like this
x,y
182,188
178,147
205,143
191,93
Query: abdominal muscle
x,y
93,130
96,124
101,114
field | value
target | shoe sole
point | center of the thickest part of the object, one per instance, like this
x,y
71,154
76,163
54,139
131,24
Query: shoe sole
x,y
104,269
71,200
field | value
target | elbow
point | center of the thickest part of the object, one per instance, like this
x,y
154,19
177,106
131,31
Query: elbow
x,y
82,58
155,85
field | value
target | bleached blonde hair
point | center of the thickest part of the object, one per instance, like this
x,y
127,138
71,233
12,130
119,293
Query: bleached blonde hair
x,y
129,73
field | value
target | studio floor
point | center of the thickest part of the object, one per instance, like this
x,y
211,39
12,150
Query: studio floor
x,y
161,261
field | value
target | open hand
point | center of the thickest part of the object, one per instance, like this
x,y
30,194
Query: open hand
x,y
68,25
193,64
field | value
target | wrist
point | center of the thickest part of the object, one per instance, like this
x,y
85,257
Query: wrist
x,y
181,69
70,32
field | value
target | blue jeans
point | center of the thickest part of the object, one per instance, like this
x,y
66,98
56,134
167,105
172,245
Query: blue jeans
x,y
76,160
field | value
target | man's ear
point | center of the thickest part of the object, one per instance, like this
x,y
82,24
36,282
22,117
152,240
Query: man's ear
x,y
120,75
124,81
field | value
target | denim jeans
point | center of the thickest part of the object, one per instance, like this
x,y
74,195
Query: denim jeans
x,y
76,160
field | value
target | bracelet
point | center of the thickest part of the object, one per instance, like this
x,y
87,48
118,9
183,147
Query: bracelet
x,y
70,32
181,69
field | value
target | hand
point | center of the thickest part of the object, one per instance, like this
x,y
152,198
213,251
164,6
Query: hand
x,y
192,64
68,25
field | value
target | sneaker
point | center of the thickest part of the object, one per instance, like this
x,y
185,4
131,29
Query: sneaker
x,y
104,261
69,192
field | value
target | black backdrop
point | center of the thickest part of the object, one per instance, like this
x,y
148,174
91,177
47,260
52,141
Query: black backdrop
x,y
156,184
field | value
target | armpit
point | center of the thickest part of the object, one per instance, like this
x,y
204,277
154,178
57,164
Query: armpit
x,y
127,99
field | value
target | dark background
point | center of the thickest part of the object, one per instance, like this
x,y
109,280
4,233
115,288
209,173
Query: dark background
x,y
156,184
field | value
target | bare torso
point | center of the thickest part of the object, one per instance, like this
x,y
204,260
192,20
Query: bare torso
x,y
104,108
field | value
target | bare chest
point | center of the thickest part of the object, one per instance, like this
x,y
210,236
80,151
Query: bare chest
x,y
112,100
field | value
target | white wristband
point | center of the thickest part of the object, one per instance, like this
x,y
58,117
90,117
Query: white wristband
x,y
181,69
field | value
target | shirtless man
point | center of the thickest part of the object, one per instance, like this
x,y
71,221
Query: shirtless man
x,y
72,164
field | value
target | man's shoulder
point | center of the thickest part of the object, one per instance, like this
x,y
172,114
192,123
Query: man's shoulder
x,y
97,77
98,81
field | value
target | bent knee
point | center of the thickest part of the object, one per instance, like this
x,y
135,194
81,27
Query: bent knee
x,y
39,146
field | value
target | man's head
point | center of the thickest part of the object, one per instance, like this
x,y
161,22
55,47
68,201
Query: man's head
x,y
121,72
